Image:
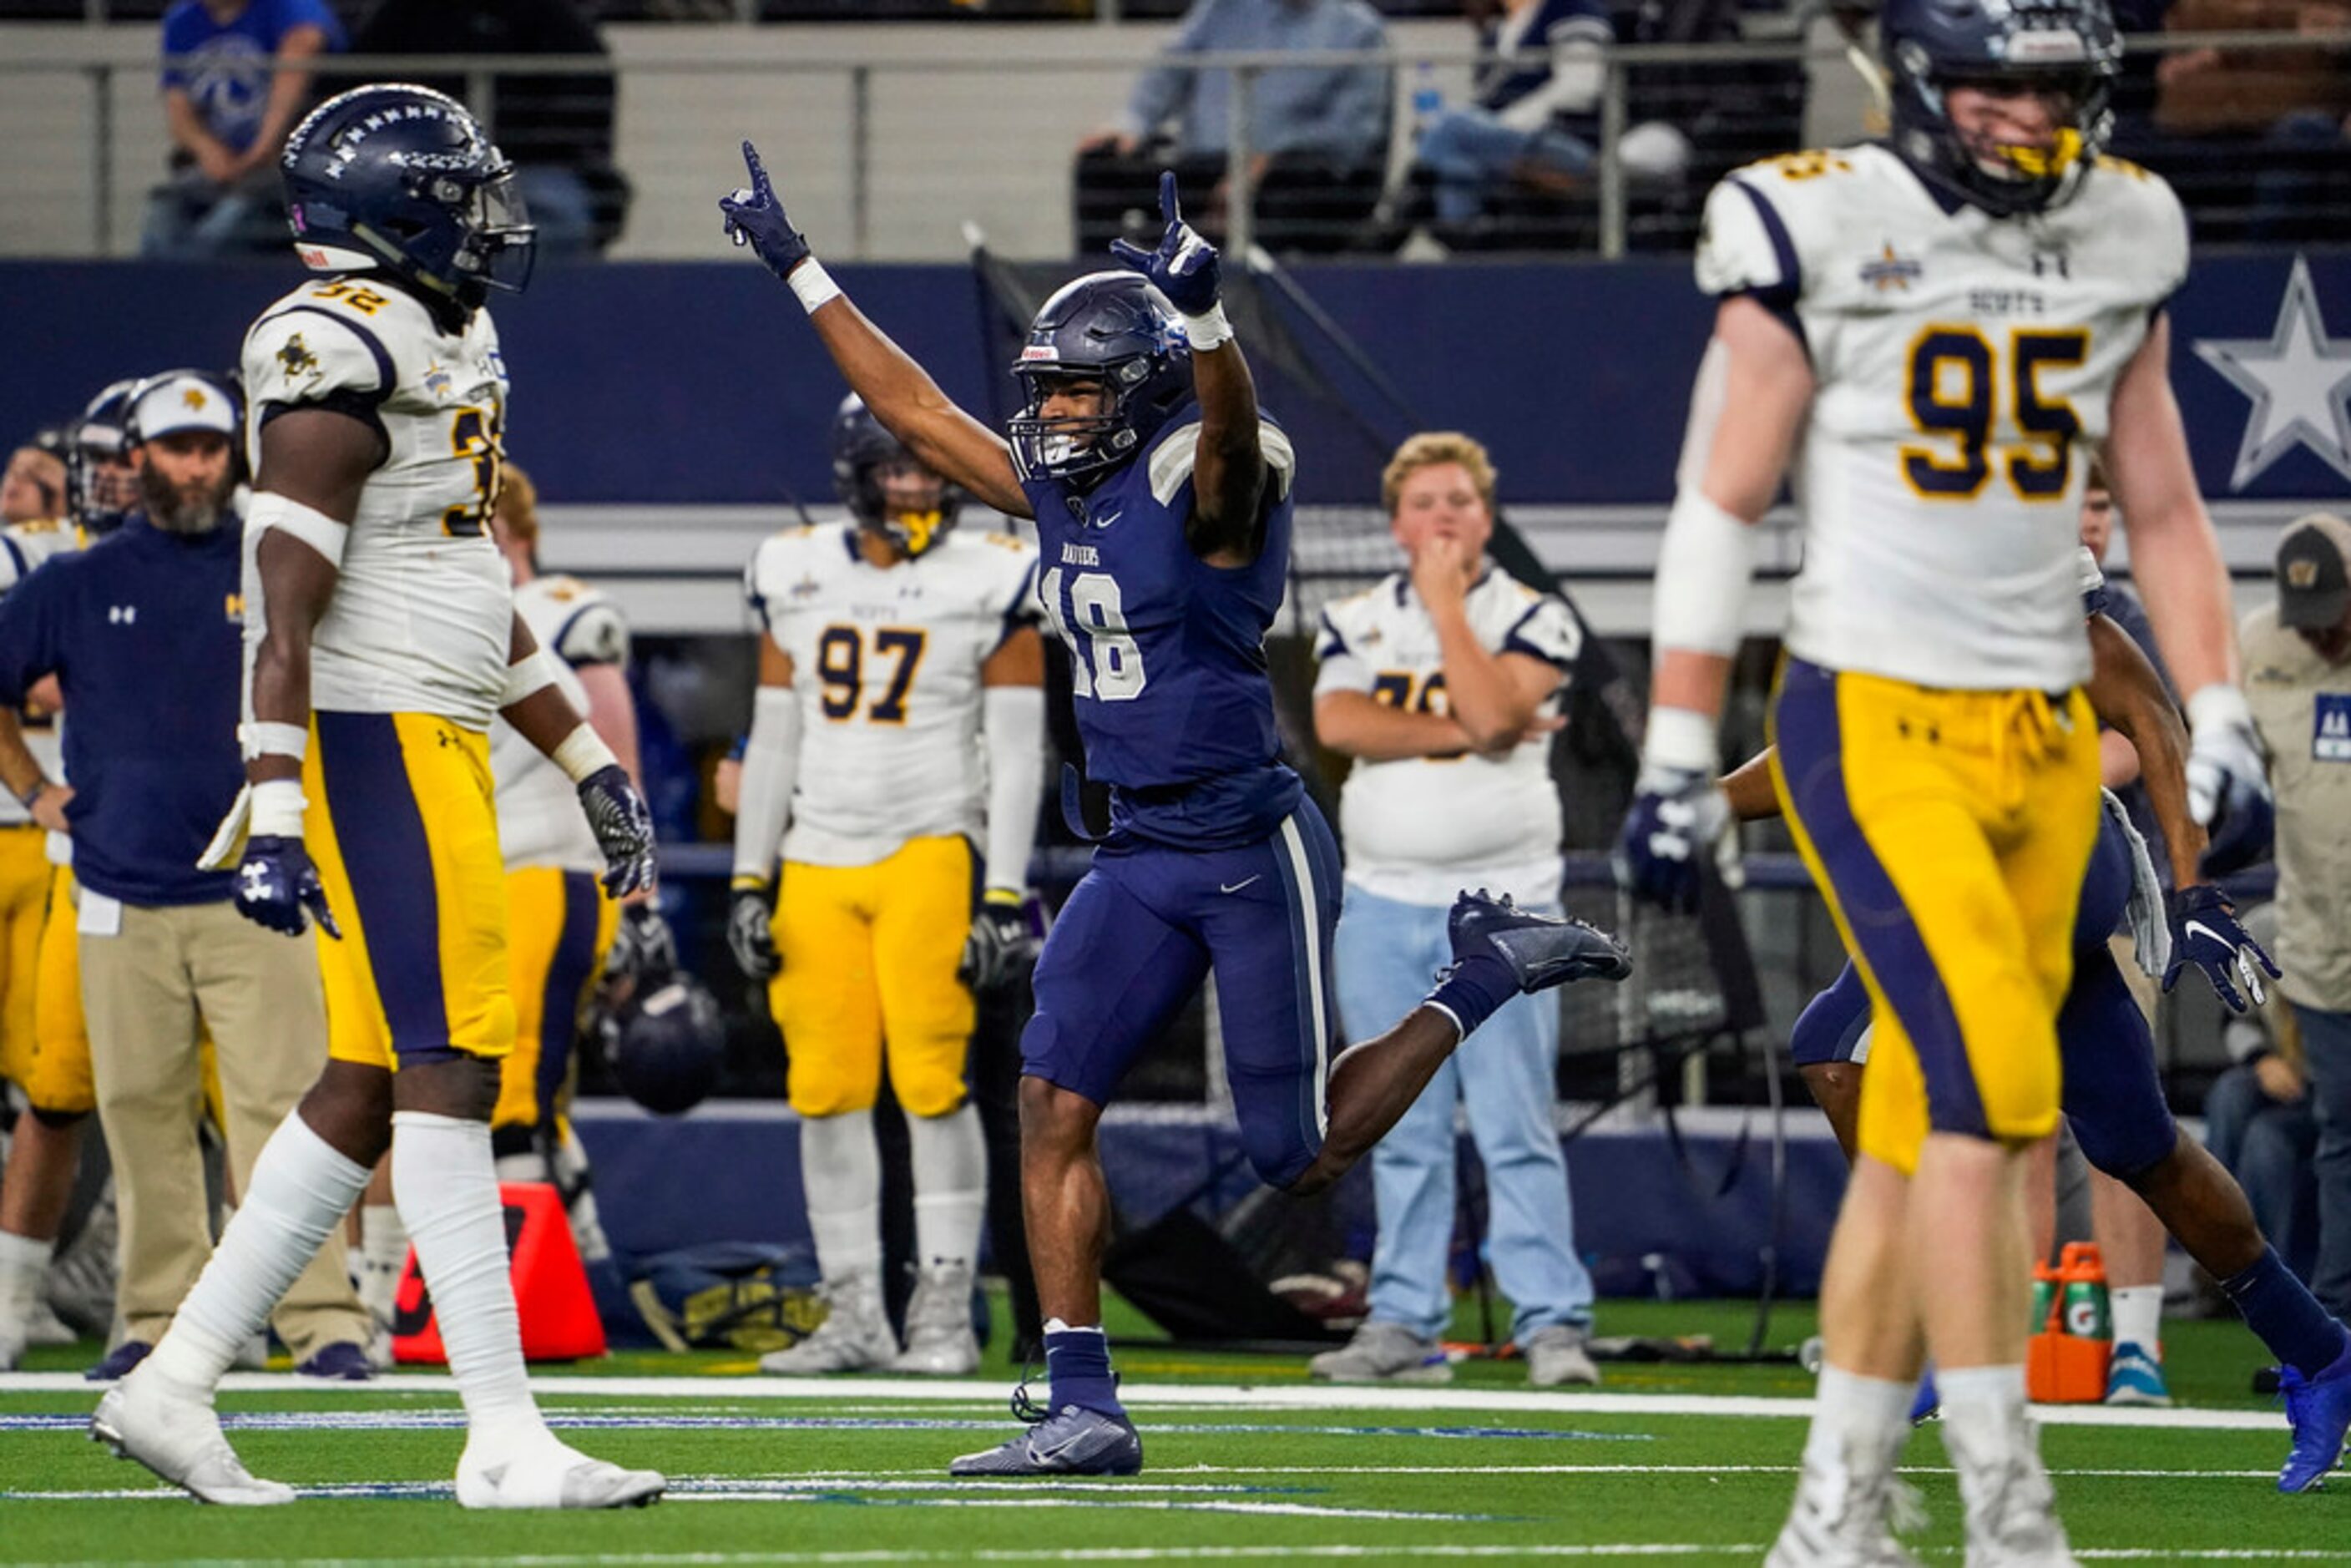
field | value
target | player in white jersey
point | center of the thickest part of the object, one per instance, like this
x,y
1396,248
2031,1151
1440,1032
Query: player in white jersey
x,y
1940,334
895,647
380,641
1442,682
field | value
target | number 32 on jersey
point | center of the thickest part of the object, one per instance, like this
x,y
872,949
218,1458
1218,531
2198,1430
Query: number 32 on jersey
x,y
1105,663
1954,385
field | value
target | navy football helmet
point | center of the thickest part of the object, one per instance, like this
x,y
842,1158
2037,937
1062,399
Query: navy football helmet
x,y
666,1046
399,179
864,455
2067,50
102,485
1116,328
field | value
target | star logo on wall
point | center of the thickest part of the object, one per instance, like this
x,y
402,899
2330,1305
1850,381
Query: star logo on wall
x,y
2297,381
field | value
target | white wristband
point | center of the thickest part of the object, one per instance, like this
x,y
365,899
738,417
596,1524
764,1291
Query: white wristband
x,y
813,284
1208,330
263,738
584,752
277,810
526,676
1681,740
2219,706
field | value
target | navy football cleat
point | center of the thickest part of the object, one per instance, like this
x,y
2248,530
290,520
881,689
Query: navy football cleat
x,y
2318,1409
1074,1441
1543,950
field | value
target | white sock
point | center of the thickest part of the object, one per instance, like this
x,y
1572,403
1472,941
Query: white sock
x,y
381,1258
950,1160
23,1260
1983,1422
1859,1424
301,1189
2138,1317
447,1192
841,1170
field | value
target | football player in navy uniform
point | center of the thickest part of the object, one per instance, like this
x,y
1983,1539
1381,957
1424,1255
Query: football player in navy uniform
x,y
1163,503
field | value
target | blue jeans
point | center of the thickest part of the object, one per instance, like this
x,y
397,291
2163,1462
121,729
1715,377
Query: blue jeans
x,y
1469,150
2267,1146
1388,951
2327,1057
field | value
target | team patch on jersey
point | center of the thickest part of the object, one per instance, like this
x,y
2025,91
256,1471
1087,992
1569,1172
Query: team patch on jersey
x,y
295,356
1889,270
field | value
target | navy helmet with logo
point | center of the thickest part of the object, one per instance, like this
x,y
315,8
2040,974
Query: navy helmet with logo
x,y
101,487
666,1047
1116,328
401,179
863,450
2067,50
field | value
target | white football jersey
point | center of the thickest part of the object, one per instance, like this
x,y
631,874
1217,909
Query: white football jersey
x,y
422,614
1965,366
23,547
539,820
887,665
1421,829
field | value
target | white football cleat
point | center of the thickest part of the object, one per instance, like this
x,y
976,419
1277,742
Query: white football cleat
x,y
855,1336
1845,1521
548,1474
939,1338
175,1434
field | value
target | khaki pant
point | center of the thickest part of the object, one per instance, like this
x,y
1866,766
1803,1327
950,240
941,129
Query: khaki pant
x,y
152,989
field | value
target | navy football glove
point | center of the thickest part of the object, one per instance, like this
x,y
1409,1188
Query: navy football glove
x,y
1184,267
1002,943
753,217
643,949
2205,932
624,827
751,929
276,884
1678,819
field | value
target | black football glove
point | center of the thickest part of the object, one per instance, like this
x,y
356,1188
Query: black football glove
x,y
278,887
624,827
751,929
753,217
2205,932
644,948
1002,945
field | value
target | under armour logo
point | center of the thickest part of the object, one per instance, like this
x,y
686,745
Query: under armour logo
x,y
123,614
256,878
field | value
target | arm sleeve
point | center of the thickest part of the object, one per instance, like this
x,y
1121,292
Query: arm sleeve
x,y
1351,121
1160,89
1577,74
176,43
772,760
1013,718
293,13
1338,667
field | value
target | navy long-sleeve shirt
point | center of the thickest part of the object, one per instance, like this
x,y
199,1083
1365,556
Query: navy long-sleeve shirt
x,y
145,631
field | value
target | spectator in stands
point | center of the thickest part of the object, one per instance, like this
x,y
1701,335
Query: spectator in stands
x,y
1318,134
1535,121
2297,655
2257,1119
557,130
33,487
2281,111
228,112
1440,682
142,630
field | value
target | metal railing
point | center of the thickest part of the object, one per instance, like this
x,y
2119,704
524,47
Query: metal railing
x,y
1622,211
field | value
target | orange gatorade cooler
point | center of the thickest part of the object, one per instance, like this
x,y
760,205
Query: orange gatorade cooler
x,y
2065,1362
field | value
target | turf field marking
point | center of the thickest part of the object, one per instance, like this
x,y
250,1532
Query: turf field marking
x,y
1254,1397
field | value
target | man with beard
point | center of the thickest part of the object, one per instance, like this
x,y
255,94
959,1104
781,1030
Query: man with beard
x,y
144,633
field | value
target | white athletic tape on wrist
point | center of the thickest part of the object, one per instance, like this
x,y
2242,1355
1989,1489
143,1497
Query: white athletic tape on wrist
x,y
277,806
265,737
1208,330
2220,705
813,284
311,526
1706,564
584,752
527,676
1681,740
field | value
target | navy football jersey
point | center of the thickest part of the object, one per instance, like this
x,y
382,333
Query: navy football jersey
x,y
1167,653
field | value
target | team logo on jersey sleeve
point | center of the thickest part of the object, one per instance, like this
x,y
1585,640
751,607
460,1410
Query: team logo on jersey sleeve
x,y
439,383
297,359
